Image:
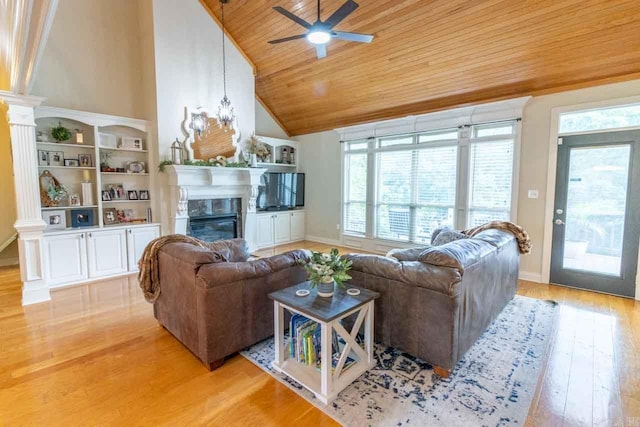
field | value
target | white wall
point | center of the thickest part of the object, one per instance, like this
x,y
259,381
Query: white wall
x,y
320,161
266,126
188,65
92,58
320,153
188,73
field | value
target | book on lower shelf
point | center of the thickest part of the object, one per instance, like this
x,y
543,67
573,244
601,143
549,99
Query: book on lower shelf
x,y
305,344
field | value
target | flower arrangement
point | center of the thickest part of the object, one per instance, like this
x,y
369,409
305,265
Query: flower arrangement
x,y
255,146
325,268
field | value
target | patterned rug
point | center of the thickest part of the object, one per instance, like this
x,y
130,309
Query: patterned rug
x,y
493,385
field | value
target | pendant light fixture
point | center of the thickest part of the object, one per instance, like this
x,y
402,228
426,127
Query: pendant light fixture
x,y
225,114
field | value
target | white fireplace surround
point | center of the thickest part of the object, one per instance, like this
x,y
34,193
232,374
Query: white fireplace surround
x,y
200,182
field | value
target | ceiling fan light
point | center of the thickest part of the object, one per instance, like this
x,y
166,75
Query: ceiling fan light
x,y
319,37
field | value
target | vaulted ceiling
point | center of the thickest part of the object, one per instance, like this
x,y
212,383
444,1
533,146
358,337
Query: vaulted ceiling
x,y
430,54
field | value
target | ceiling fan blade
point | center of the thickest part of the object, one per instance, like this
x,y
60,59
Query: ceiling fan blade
x,y
344,11
321,50
293,17
352,37
287,39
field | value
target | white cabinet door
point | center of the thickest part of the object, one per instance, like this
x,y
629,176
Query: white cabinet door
x,y
297,225
65,258
107,252
137,240
264,230
283,227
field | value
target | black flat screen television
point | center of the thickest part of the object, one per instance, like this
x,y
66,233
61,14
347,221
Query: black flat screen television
x,y
280,191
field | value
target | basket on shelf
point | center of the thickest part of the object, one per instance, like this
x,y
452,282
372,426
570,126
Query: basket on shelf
x,y
52,191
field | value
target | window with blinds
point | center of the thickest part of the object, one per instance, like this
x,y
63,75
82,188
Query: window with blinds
x,y
491,154
423,181
355,190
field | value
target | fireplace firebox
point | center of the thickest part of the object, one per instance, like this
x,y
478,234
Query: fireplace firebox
x,y
215,219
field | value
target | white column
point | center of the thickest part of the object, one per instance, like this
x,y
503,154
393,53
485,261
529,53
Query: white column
x,y
29,224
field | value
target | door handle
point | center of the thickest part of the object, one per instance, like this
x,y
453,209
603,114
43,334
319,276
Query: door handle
x,y
559,222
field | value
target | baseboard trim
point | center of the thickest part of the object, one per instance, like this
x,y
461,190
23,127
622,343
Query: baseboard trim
x,y
322,240
530,277
9,262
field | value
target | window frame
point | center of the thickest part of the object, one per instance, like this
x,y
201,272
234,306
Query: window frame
x,y
461,207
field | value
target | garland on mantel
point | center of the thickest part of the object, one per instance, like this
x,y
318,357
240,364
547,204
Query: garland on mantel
x,y
207,163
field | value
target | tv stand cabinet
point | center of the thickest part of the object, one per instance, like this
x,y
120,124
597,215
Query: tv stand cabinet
x,y
277,228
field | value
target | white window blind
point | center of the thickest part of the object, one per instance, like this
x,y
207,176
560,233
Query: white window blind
x,y
490,180
413,181
355,192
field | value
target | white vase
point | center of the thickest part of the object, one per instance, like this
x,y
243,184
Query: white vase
x,y
326,289
254,160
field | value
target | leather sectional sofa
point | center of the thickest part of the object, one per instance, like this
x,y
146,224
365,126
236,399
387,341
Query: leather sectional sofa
x,y
218,308
436,301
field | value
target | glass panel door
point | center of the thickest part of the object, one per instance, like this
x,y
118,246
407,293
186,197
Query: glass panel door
x,y
595,242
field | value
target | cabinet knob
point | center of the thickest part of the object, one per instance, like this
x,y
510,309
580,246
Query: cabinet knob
x,y
129,231
82,236
90,235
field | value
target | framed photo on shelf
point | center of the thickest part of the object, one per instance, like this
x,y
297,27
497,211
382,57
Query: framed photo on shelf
x,y
56,158
71,163
116,191
136,167
74,200
130,143
132,195
81,218
85,160
110,216
43,158
108,141
125,215
55,219
106,196
144,195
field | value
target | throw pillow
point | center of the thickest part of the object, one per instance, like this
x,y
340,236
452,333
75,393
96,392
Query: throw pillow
x,y
447,236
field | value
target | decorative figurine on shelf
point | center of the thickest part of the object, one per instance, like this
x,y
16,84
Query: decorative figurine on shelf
x,y
52,192
176,152
258,151
105,158
60,133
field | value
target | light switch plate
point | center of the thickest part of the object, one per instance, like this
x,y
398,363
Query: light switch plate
x,y
533,194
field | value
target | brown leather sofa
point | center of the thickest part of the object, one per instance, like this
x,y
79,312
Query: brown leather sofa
x,y
436,301
216,308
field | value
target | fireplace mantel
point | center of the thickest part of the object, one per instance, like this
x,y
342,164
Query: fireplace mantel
x,y
201,182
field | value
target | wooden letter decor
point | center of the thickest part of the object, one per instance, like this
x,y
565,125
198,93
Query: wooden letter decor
x,y
213,142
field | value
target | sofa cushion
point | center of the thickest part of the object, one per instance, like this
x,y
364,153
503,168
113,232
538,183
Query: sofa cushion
x,y
233,250
496,237
459,254
407,254
442,236
193,254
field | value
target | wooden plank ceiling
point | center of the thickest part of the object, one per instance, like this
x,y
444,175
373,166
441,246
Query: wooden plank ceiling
x,y
431,54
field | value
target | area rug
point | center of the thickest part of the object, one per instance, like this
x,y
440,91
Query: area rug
x,y
493,385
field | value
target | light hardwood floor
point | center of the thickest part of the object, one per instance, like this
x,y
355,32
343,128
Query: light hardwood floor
x,y
95,355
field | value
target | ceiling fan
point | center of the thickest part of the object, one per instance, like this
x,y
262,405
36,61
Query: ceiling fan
x,y
320,33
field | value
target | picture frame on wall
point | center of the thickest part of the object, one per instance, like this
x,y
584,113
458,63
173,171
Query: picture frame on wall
x,y
56,158
55,219
81,218
110,216
43,158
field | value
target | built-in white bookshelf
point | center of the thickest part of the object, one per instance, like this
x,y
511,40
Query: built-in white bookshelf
x,y
110,153
283,154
